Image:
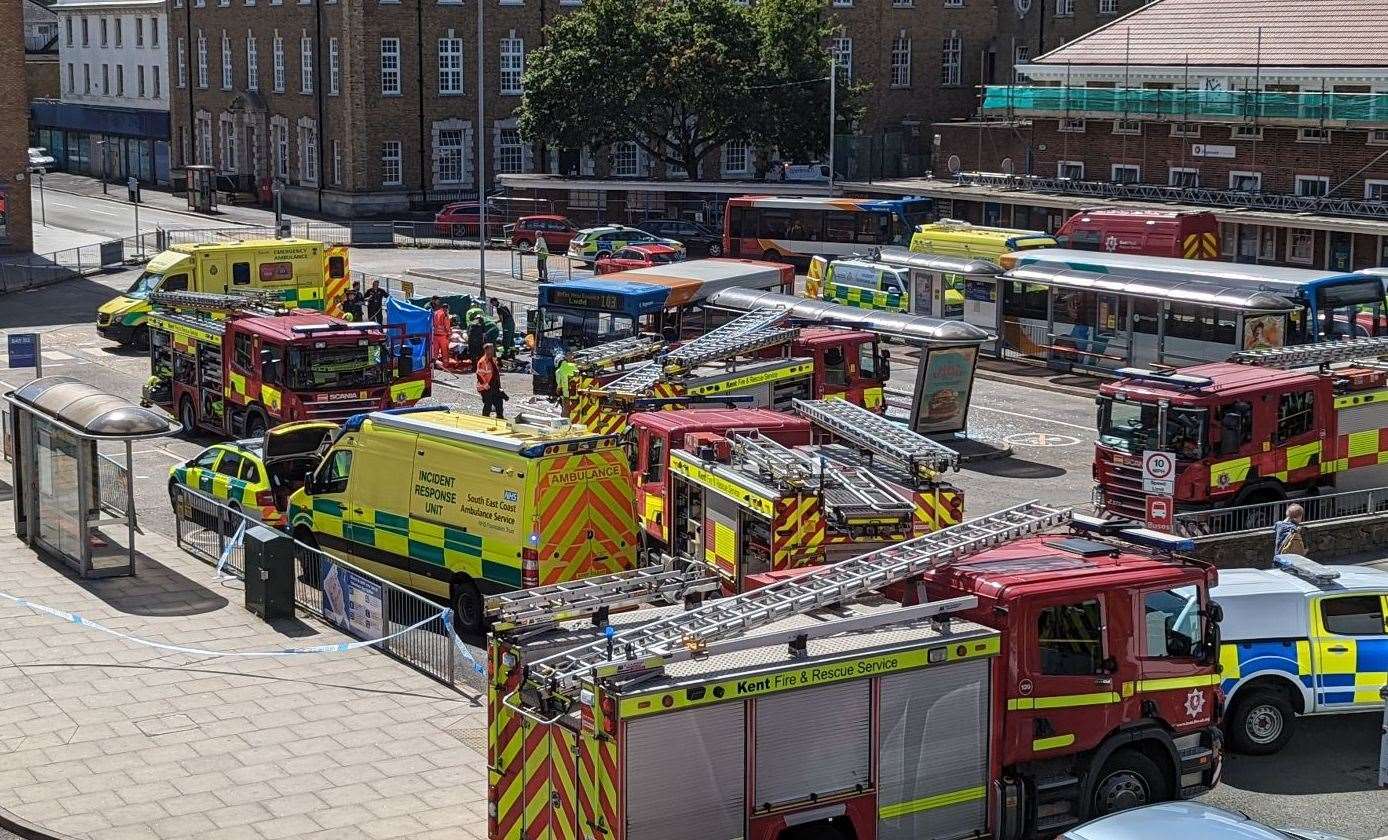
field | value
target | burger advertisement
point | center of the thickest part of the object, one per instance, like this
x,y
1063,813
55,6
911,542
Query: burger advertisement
x,y
943,387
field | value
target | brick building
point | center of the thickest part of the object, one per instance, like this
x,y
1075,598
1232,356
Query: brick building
x,y
16,235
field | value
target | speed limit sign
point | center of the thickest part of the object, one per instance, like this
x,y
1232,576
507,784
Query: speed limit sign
x,y
1159,473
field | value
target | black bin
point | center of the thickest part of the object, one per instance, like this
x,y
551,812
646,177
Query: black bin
x,y
269,573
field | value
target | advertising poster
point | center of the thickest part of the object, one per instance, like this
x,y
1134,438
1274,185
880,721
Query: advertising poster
x,y
1262,332
4,216
944,384
352,602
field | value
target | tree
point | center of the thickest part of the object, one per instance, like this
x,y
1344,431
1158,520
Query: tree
x,y
681,77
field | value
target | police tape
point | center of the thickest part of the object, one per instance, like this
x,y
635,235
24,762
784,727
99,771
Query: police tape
x,y
340,647
460,645
232,545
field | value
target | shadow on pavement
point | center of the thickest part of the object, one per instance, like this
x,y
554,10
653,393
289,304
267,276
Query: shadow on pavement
x,y
1331,754
1013,468
155,590
67,302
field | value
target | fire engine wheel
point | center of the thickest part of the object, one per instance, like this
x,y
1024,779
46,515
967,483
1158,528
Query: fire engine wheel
x,y
715,250
255,425
187,417
1261,723
468,617
769,254
1129,780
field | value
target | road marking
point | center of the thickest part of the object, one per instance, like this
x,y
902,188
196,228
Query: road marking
x,y
60,204
1041,439
1032,417
99,212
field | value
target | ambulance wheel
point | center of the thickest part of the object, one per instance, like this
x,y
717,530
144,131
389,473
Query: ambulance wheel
x,y
1128,780
769,254
173,493
139,338
468,617
1262,722
187,417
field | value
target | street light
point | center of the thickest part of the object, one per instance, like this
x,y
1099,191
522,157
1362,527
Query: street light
x,y
481,160
43,207
105,163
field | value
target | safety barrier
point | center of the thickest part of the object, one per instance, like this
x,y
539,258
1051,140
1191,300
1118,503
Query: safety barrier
x,y
411,629
1324,508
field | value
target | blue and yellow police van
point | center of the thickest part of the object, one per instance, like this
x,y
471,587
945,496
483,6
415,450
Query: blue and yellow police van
x,y
1301,638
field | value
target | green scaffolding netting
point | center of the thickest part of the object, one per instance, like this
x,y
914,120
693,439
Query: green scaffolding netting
x,y
1233,104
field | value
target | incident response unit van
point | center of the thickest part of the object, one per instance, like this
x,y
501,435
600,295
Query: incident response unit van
x,y
953,238
1193,235
301,272
459,506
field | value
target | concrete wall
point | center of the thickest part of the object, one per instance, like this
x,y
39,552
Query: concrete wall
x,y
1326,542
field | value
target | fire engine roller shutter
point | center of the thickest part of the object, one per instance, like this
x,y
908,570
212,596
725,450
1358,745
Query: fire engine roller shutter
x,y
685,773
813,741
933,752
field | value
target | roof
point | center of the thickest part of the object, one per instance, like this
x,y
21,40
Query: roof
x,y
515,435
195,247
1270,33
719,420
796,202
1140,265
916,329
1234,583
1188,820
1174,287
89,410
829,334
904,258
695,280
1271,604
1141,212
1226,379
653,248
282,326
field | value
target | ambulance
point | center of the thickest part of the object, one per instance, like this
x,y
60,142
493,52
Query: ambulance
x,y
304,273
953,238
458,506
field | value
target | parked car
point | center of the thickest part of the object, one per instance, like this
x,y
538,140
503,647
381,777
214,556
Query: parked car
x,y
256,476
596,243
699,240
1188,821
462,218
555,230
780,170
39,159
638,256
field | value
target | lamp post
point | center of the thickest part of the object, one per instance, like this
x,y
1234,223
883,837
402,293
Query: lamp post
x,y
105,166
481,161
833,84
43,208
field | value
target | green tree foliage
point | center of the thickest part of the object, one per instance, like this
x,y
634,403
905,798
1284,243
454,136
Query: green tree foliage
x,y
681,77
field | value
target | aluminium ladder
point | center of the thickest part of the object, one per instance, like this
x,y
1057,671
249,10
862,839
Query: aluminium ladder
x,y
845,490
675,638
877,434
747,333
260,303
614,352
545,606
1308,355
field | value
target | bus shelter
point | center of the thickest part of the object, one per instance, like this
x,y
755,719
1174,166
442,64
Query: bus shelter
x,y
71,500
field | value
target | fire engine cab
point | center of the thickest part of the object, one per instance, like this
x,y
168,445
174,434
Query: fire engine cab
x,y
236,365
1264,426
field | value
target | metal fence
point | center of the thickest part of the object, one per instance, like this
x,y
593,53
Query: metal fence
x,y
36,270
113,483
1246,518
208,530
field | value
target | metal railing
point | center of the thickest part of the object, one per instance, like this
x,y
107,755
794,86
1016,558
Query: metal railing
x,y
113,483
207,529
1248,518
34,270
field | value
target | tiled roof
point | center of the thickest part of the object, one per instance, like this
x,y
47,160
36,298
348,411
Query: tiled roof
x,y
1295,33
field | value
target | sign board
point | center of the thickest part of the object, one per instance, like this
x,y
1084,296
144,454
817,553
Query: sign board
x,y
23,350
1160,510
1159,473
373,233
113,252
352,601
944,385
1210,150
407,289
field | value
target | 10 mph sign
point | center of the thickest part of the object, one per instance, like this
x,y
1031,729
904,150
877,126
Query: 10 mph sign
x,y
1159,473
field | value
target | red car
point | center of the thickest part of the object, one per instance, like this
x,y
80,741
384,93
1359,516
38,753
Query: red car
x,y
462,218
556,231
638,256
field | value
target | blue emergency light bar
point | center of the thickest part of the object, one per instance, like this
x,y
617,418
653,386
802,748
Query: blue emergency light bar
x,y
1179,380
1131,531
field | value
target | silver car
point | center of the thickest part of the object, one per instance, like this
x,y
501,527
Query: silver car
x,y
1188,821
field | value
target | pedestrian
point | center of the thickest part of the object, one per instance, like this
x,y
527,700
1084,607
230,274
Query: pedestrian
x,y
476,338
1286,535
375,302
508,327
489,382
564,372
353,302
884,364
441,329
542,258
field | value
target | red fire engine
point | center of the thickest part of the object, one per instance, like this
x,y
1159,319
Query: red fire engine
x,y
1265,426
235,365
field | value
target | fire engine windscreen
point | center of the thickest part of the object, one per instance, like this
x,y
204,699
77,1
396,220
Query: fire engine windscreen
x,y
1132,427
341,366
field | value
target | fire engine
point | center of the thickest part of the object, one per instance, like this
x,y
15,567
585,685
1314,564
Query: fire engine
x,y
1047,679
744,491
1262,427
237,365
755,357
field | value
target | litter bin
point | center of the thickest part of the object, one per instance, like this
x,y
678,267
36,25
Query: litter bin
x,y
269,573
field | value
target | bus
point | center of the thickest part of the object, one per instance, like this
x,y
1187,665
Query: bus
x,y
1328,302
796,228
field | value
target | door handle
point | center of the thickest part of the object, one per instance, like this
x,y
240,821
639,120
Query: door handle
x,y
358,511
1337,649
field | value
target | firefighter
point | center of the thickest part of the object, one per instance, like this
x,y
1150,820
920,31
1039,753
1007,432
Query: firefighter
x,y
440,329
353,303
476,337
375,302
508,327
563,376
489,382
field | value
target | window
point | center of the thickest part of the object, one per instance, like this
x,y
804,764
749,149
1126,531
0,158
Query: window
x,y
156,87
1181,176
103,31
626,159
736,157
1174,624
1070,638
901,61
390,163
241,274
1073,125
1312,186
1072,169
1313,135
139,33
1246,181
308,151
450,150
202,60
842,50
1353,615
86,78
305,63
1185,130
512,66
949,4
120,80
334,71
1378,137
1127,127
1375,190
230,465
250,471
510,151
1296,414
1022,54
1108,7
67,22
1064,8
226,61
450,65
1126,173
105,80
1246,132
337,164
390,67
205,138
655,460
208,458
333,476
154,32
119,24
1301,246
71,78
182,65
279,139
252,63
277,60
950,52
139,81
86,32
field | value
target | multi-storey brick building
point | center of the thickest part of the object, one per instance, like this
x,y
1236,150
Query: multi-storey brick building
x,y
15,231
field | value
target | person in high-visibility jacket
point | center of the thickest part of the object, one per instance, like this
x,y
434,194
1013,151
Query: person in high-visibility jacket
x,y
441,329
489,382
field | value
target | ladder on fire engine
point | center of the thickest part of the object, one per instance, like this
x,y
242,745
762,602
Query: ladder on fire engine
x,y
616,352
847,491
679,637
263,303
545,606
1310,355
879,435
747,333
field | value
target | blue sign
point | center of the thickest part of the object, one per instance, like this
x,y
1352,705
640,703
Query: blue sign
x,y
24,350
352,601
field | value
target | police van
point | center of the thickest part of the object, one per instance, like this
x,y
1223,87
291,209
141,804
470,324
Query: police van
x,y
1299,639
